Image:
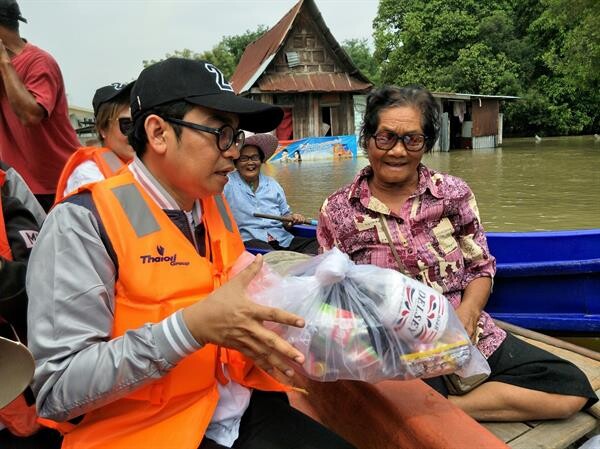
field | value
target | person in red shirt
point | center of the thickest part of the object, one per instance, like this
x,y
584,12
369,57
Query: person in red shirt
x,y
36,136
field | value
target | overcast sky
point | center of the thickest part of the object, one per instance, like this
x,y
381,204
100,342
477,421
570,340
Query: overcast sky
x,y
97,42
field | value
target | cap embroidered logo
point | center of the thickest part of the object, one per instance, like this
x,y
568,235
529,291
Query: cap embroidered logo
x,y
219,78
118,86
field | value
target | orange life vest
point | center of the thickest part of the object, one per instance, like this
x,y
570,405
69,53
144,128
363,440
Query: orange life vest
x,y
4,246
159,273
107,161
18,417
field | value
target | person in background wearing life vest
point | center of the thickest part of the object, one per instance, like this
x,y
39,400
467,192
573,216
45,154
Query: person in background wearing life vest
x,y
18,231
91,164
142,337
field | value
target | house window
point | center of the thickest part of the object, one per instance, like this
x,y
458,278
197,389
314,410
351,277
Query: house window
x,y
292,58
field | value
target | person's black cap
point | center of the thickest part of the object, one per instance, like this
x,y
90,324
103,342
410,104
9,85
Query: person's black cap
x,y
110,92
9,9
200,83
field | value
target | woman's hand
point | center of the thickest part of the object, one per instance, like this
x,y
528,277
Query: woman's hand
x,y
473,301
469,316
228,318
298,219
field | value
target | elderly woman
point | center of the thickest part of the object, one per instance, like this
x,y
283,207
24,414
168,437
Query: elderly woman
x,y
399,214
248,191
91,164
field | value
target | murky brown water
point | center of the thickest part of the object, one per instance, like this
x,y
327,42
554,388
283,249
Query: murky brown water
x,y
522,186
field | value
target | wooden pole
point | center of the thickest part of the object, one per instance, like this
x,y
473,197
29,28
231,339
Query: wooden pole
x,y
517,330
284,219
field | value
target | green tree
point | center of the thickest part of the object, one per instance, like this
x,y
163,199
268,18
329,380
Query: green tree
x,y
545,51
479,70
238,43
566,79
435,43
362,56
574,52
225,55
185,53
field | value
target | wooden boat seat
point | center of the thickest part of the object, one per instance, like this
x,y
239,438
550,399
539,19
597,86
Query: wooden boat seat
x,y
557,434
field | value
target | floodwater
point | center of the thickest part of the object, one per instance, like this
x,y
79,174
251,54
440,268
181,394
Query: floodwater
x,y
521,186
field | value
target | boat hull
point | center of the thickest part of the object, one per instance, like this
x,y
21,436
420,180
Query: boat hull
x,y
547,280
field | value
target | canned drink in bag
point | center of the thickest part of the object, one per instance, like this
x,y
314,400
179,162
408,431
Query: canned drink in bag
x,y
417,312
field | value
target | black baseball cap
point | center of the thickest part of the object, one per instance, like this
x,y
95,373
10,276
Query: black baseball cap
x,y
110,92
9,9
201,83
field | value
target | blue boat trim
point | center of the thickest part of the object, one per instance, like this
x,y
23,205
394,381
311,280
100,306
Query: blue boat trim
x,y
547,268
553,322
546,280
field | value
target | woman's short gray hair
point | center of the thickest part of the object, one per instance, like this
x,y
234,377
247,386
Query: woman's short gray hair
x,y
392,96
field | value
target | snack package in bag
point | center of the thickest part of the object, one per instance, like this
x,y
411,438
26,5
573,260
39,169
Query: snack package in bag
x,y
364,322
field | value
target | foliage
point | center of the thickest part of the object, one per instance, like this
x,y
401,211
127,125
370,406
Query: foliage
x,y
225,55
185,53
545,51
362,56
479,70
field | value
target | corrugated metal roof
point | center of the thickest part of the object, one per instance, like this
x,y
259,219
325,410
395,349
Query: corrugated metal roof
x,y
312,82
463,96
261,52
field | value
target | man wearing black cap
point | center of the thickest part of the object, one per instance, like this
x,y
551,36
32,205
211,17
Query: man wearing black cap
x,y
36,137
136,320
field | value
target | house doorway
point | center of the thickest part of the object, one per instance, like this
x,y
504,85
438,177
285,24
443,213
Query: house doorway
x,y
285,130
326,115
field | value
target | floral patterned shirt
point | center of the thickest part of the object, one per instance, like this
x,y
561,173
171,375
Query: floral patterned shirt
x,y
437,234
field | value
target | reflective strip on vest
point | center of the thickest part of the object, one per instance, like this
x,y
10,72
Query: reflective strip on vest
x,y
223,212
112,160
137,211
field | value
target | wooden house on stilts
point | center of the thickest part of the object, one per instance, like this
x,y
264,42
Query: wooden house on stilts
x,y
300,66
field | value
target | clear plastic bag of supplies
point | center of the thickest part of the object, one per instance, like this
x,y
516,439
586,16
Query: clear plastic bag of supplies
x,y
364,322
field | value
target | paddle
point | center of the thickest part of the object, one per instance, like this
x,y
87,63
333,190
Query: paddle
x,y
310,221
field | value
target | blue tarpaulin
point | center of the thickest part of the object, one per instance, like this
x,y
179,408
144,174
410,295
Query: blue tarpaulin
x,y
316,148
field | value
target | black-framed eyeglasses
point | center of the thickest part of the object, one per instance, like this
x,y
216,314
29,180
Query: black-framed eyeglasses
x,y
125,125
386,140
226,134
253,158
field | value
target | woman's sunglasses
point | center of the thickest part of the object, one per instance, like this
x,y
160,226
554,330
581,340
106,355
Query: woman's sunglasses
x,y
125,125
